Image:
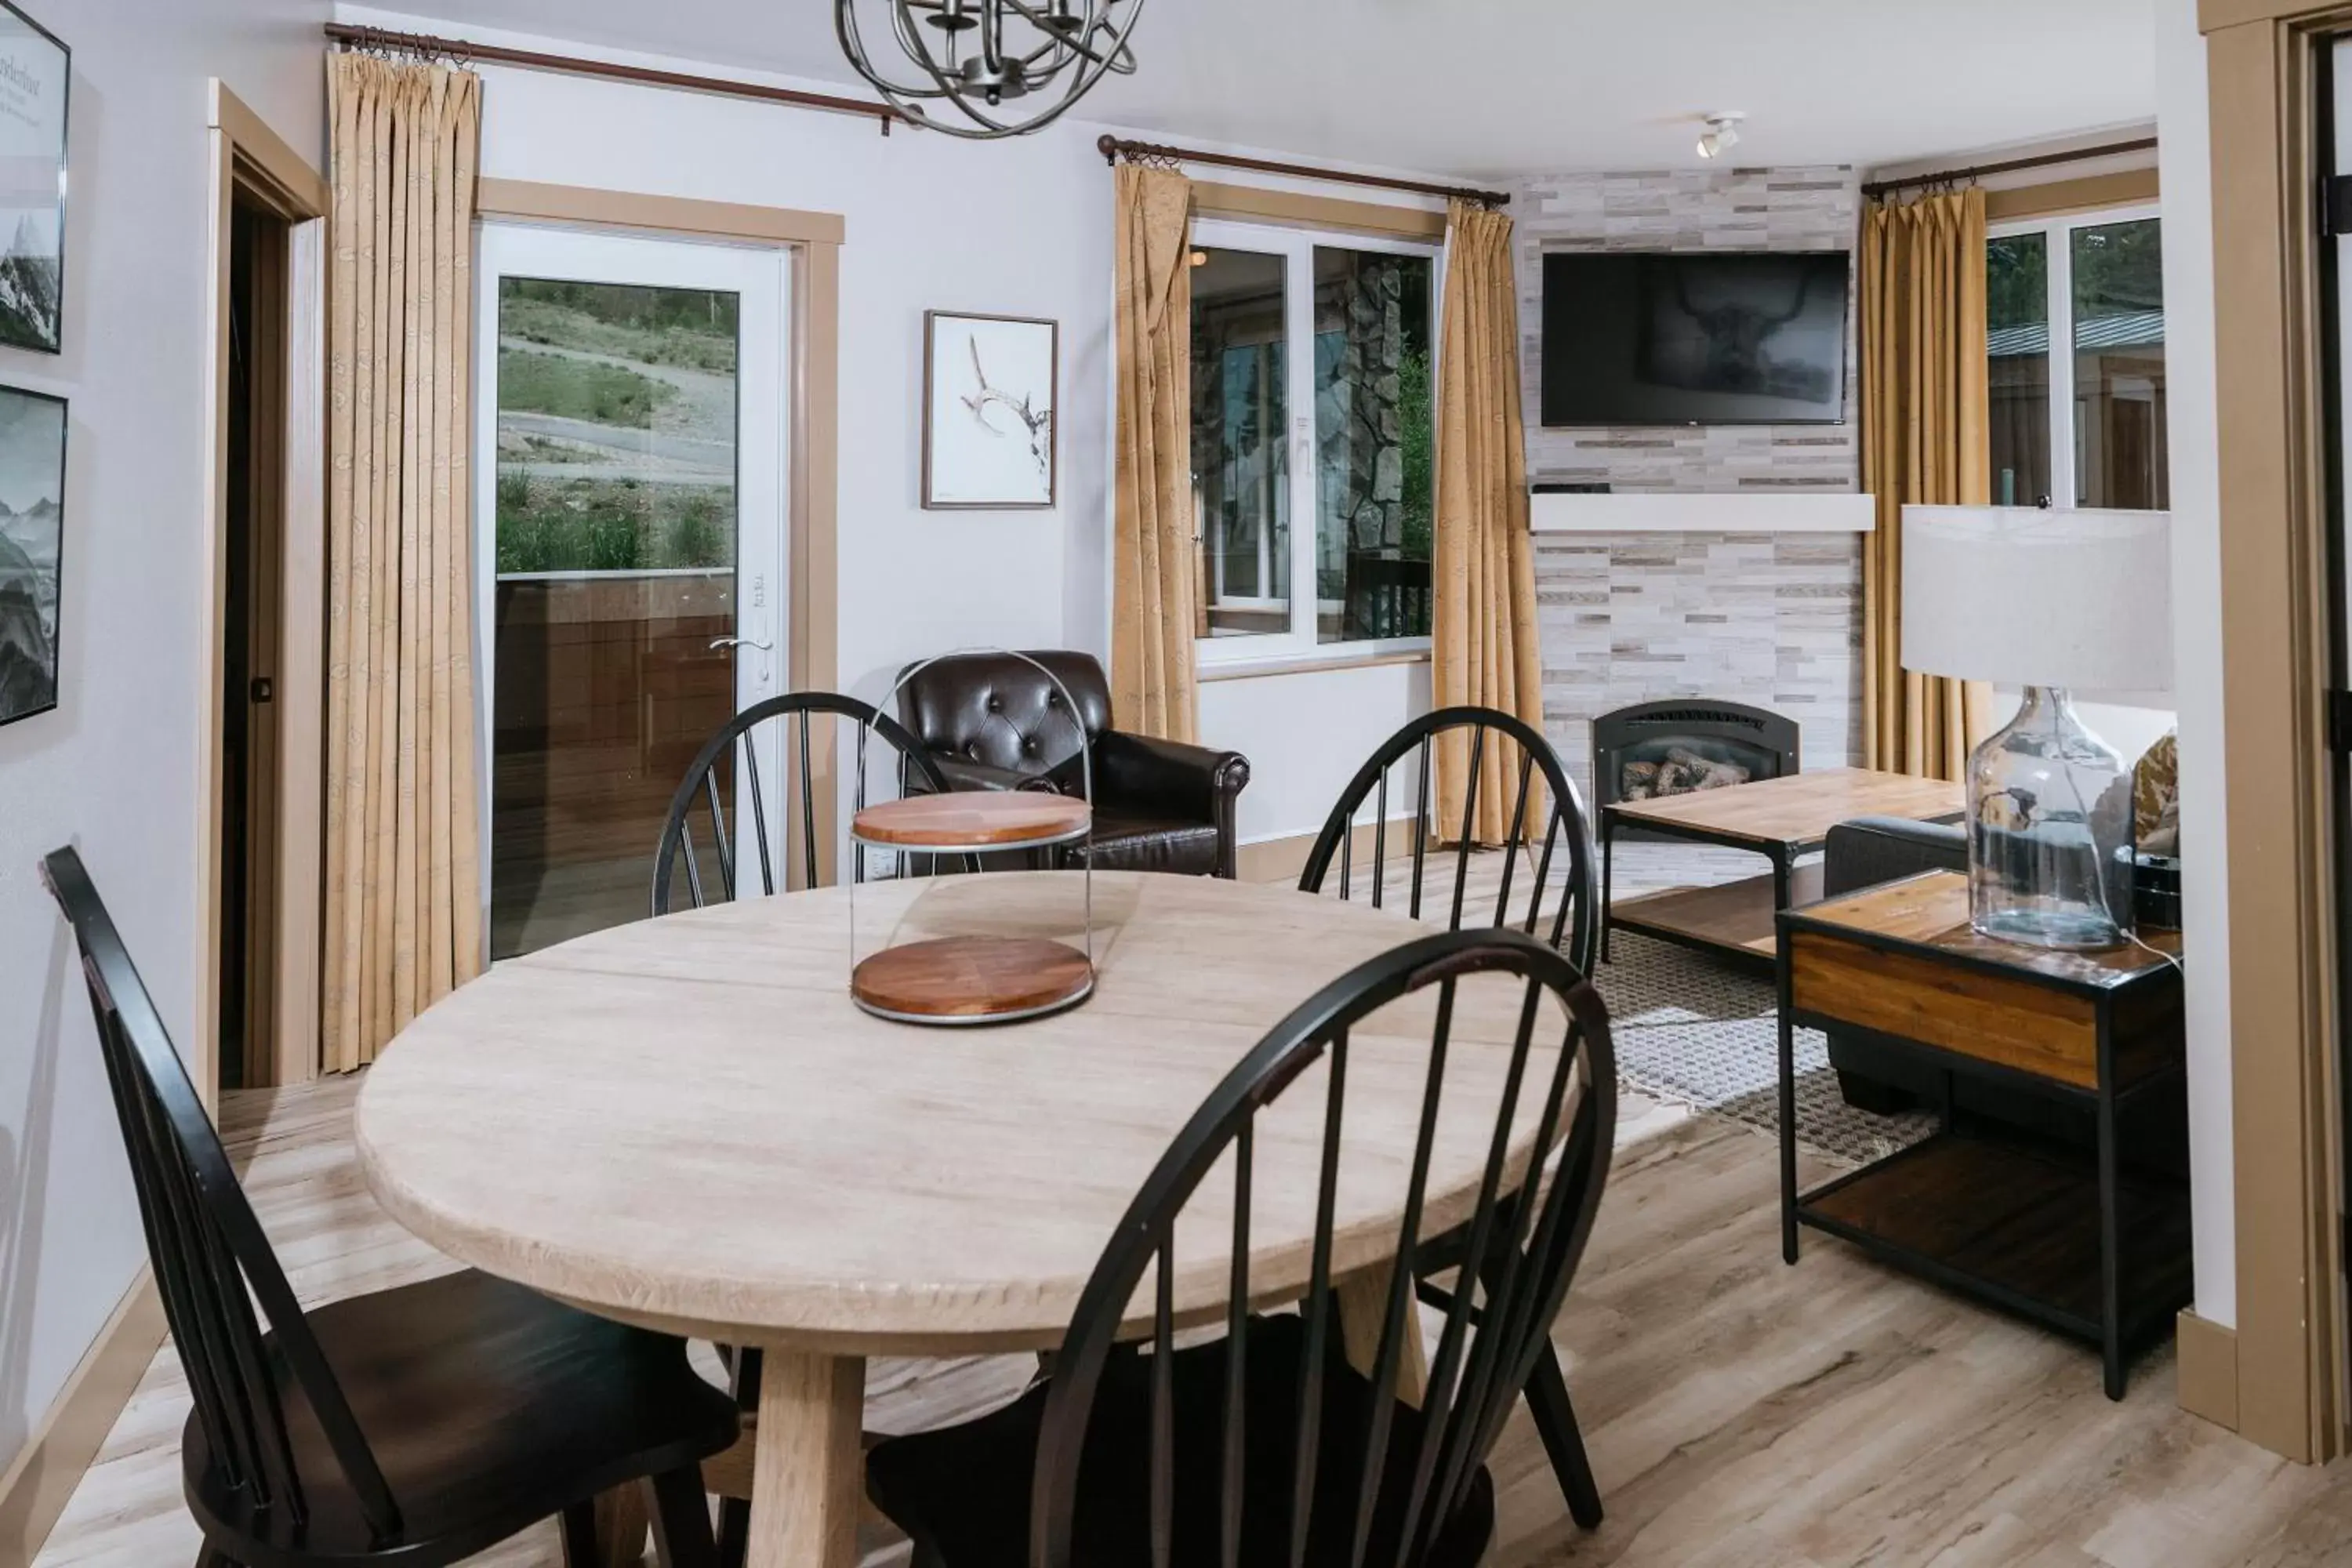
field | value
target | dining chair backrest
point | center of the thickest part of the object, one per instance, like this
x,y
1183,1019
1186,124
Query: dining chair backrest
x,y
205,1246
1557,1093
1491,737
723,785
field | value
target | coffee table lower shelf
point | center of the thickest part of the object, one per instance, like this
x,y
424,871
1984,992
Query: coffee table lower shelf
x,y
2017,1225
1734,920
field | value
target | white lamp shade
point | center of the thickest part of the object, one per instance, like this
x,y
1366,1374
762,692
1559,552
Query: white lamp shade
x,y
2020,596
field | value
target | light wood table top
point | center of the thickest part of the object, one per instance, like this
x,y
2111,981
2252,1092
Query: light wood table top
x,y
687,1122
1798,811
1930,912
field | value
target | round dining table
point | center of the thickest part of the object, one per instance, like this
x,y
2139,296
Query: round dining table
x,y
688,1124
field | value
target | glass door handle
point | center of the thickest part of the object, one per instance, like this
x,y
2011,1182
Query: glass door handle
x,y
718,643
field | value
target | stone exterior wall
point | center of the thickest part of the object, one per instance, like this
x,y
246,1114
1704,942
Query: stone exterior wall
x,y
1769,619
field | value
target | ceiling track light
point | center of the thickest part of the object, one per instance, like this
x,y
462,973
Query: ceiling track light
x,y
1007,67
1722,133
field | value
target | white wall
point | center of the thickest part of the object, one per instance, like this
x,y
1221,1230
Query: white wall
x,y
1305,734
113,769
2186,163
1017,228
1012,228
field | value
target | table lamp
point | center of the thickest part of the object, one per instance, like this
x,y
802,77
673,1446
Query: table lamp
x,y
2055,603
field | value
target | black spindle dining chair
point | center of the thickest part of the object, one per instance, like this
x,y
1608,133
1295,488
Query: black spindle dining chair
x,y
722,785
1265,1448
414,1427
1566,835
1574,928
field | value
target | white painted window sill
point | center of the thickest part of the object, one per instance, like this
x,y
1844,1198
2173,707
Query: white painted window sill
x,y
1207,670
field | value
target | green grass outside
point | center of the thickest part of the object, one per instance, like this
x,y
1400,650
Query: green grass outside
x,y
612,525
689,342
578,389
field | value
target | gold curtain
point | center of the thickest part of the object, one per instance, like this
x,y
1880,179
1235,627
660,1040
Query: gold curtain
x,y
1926,437
404,899
1154,559
1485,633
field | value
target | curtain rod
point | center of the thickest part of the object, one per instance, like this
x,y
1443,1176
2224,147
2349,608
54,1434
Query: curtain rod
x,y
379,38
2041,161
1113,149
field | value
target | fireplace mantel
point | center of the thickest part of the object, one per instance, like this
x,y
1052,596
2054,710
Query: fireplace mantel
x,y
1658,511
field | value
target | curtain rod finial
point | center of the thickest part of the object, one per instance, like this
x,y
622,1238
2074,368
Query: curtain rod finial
x,y
1108,145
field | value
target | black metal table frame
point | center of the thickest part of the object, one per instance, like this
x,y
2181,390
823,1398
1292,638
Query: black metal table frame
x,y
1783,856
2116,1338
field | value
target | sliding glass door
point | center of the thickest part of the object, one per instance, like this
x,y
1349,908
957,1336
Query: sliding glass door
x,y
630,484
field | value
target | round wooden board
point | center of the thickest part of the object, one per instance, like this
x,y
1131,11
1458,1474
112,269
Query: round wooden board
x,y
973,821
972,979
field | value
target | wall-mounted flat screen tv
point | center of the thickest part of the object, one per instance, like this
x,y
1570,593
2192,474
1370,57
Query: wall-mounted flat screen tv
x,y
1751,338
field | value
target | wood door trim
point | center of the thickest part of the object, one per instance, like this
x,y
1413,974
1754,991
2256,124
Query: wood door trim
x,y
529,199
2261,62
245,155
813,637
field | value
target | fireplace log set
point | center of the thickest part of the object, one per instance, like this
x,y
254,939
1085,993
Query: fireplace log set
x,y
1680,772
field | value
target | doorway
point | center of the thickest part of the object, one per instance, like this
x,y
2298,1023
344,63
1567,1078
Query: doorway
x,y
631,528
252,616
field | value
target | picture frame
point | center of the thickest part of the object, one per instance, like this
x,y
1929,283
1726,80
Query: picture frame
x,y
36,90
991,426
34,427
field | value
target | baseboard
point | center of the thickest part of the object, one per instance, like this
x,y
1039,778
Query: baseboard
x,y
1282,859
43,1475
2207,1361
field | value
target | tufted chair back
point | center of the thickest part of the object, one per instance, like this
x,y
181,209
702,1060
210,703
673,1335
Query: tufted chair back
x,y
996,710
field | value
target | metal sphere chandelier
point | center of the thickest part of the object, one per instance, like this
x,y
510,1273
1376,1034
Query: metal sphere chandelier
x,y
1010,67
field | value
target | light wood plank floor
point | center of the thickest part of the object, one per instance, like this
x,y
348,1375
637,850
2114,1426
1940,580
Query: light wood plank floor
x,y
1740,1413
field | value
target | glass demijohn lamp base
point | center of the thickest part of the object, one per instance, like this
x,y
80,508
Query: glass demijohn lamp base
x,y
2050,831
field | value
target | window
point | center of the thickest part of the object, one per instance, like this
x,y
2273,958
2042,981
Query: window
x,y
1313,387
2085,427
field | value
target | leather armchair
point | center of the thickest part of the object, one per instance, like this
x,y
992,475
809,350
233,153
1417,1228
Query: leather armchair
x,y
995,721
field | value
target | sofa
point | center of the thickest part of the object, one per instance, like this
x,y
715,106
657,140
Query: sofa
x,y
996,721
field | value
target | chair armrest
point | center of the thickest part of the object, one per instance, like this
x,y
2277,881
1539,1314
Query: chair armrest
x,y
1873,849
1167,778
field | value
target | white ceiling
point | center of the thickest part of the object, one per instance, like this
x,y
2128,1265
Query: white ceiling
x,y
1488,87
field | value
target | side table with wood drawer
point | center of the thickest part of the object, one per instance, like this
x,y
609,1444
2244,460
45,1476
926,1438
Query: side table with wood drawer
x,y
2074,1238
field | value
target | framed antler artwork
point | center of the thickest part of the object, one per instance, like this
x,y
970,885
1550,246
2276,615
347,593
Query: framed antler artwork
x,y
989,388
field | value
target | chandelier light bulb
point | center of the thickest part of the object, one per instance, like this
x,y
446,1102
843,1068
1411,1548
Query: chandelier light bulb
x,y
977,57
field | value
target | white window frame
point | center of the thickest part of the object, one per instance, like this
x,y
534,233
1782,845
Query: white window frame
x,y
1297,249
2058,241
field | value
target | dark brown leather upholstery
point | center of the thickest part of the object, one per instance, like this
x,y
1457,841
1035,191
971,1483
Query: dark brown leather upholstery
x,y
995,721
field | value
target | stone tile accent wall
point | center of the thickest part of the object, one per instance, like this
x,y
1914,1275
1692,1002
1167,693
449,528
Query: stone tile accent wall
x,y
1772,619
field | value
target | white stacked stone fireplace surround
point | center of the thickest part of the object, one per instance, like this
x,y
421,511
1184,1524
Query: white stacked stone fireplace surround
x,y
1725,561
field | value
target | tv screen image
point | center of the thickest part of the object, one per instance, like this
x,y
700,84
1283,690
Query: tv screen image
x,y
1751,338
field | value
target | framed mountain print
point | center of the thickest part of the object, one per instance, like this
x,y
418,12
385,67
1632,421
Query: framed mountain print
x,y
988,389
35,68
32,541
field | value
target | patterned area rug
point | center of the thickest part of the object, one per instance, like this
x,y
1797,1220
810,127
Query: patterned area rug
x,y
1701,1034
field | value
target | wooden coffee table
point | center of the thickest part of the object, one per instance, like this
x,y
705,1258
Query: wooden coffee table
x,y
1781,819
